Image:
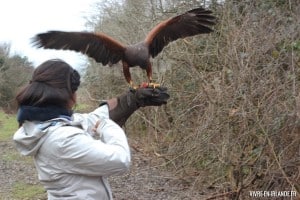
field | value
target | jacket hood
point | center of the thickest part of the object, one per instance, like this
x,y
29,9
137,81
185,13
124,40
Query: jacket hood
x,y
29,138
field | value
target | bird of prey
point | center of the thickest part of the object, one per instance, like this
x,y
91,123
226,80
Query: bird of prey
x,y
106,50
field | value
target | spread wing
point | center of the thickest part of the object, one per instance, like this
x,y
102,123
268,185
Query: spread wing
x,y
193,22
101,47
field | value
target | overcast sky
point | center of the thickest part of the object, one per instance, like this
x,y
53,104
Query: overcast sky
x,y
20,20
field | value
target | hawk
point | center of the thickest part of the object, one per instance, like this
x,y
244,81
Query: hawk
x,y
107,50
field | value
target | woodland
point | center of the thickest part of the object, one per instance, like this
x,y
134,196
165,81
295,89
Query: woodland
x,y
232,123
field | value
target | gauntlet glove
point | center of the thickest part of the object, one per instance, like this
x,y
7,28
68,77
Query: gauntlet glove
x,y
122,107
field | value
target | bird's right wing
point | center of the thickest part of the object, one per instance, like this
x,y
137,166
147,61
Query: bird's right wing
x,y
101,47
193,22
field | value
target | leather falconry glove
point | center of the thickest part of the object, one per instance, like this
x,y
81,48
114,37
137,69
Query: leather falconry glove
x,y
122,107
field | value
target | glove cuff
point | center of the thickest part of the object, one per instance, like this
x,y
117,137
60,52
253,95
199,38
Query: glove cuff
x,y
126,105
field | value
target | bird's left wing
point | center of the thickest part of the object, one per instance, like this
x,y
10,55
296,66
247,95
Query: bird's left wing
x,y
101,47
191,23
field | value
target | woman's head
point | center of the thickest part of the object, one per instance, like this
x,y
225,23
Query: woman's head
x,y
53,83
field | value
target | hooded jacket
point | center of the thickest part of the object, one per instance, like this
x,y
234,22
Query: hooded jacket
x,y
71,164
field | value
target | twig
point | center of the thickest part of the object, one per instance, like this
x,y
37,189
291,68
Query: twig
x,y
171,160
276,158
279,165
148,121
91,98
222,195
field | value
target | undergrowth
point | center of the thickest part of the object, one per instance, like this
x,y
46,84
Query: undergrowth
x,y
233,124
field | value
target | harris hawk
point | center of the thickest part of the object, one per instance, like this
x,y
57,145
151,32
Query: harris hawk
x,y
106,50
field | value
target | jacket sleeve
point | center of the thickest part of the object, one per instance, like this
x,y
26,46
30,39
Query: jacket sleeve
x,y
87,121
81,154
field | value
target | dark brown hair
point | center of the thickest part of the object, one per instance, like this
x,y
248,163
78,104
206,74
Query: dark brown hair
x,y
53,84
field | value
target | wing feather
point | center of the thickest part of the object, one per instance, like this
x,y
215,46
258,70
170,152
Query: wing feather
x,y
99,46
193,22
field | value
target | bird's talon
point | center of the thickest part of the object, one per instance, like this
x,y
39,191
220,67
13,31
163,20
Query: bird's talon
x,y
153,85
132,86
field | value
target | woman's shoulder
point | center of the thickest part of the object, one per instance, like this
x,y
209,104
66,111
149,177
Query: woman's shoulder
x,y
64,133
65,129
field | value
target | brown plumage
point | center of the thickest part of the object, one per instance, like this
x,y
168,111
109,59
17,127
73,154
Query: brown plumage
x,y
107,50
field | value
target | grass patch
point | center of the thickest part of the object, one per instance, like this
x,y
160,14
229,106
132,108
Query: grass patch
x,y
11,156
8,126
16,156
23,190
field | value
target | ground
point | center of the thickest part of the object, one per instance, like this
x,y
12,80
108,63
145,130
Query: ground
x,y
147,179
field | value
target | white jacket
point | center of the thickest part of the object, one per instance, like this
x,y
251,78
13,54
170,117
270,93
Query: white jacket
x,y
71,164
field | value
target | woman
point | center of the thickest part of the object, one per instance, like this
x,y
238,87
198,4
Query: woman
x,y
71,163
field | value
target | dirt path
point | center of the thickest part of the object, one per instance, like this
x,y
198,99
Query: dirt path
x,y
146,180
16,171
18,179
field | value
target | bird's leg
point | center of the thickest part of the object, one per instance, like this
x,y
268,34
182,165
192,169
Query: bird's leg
x,y
127,75
149,75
